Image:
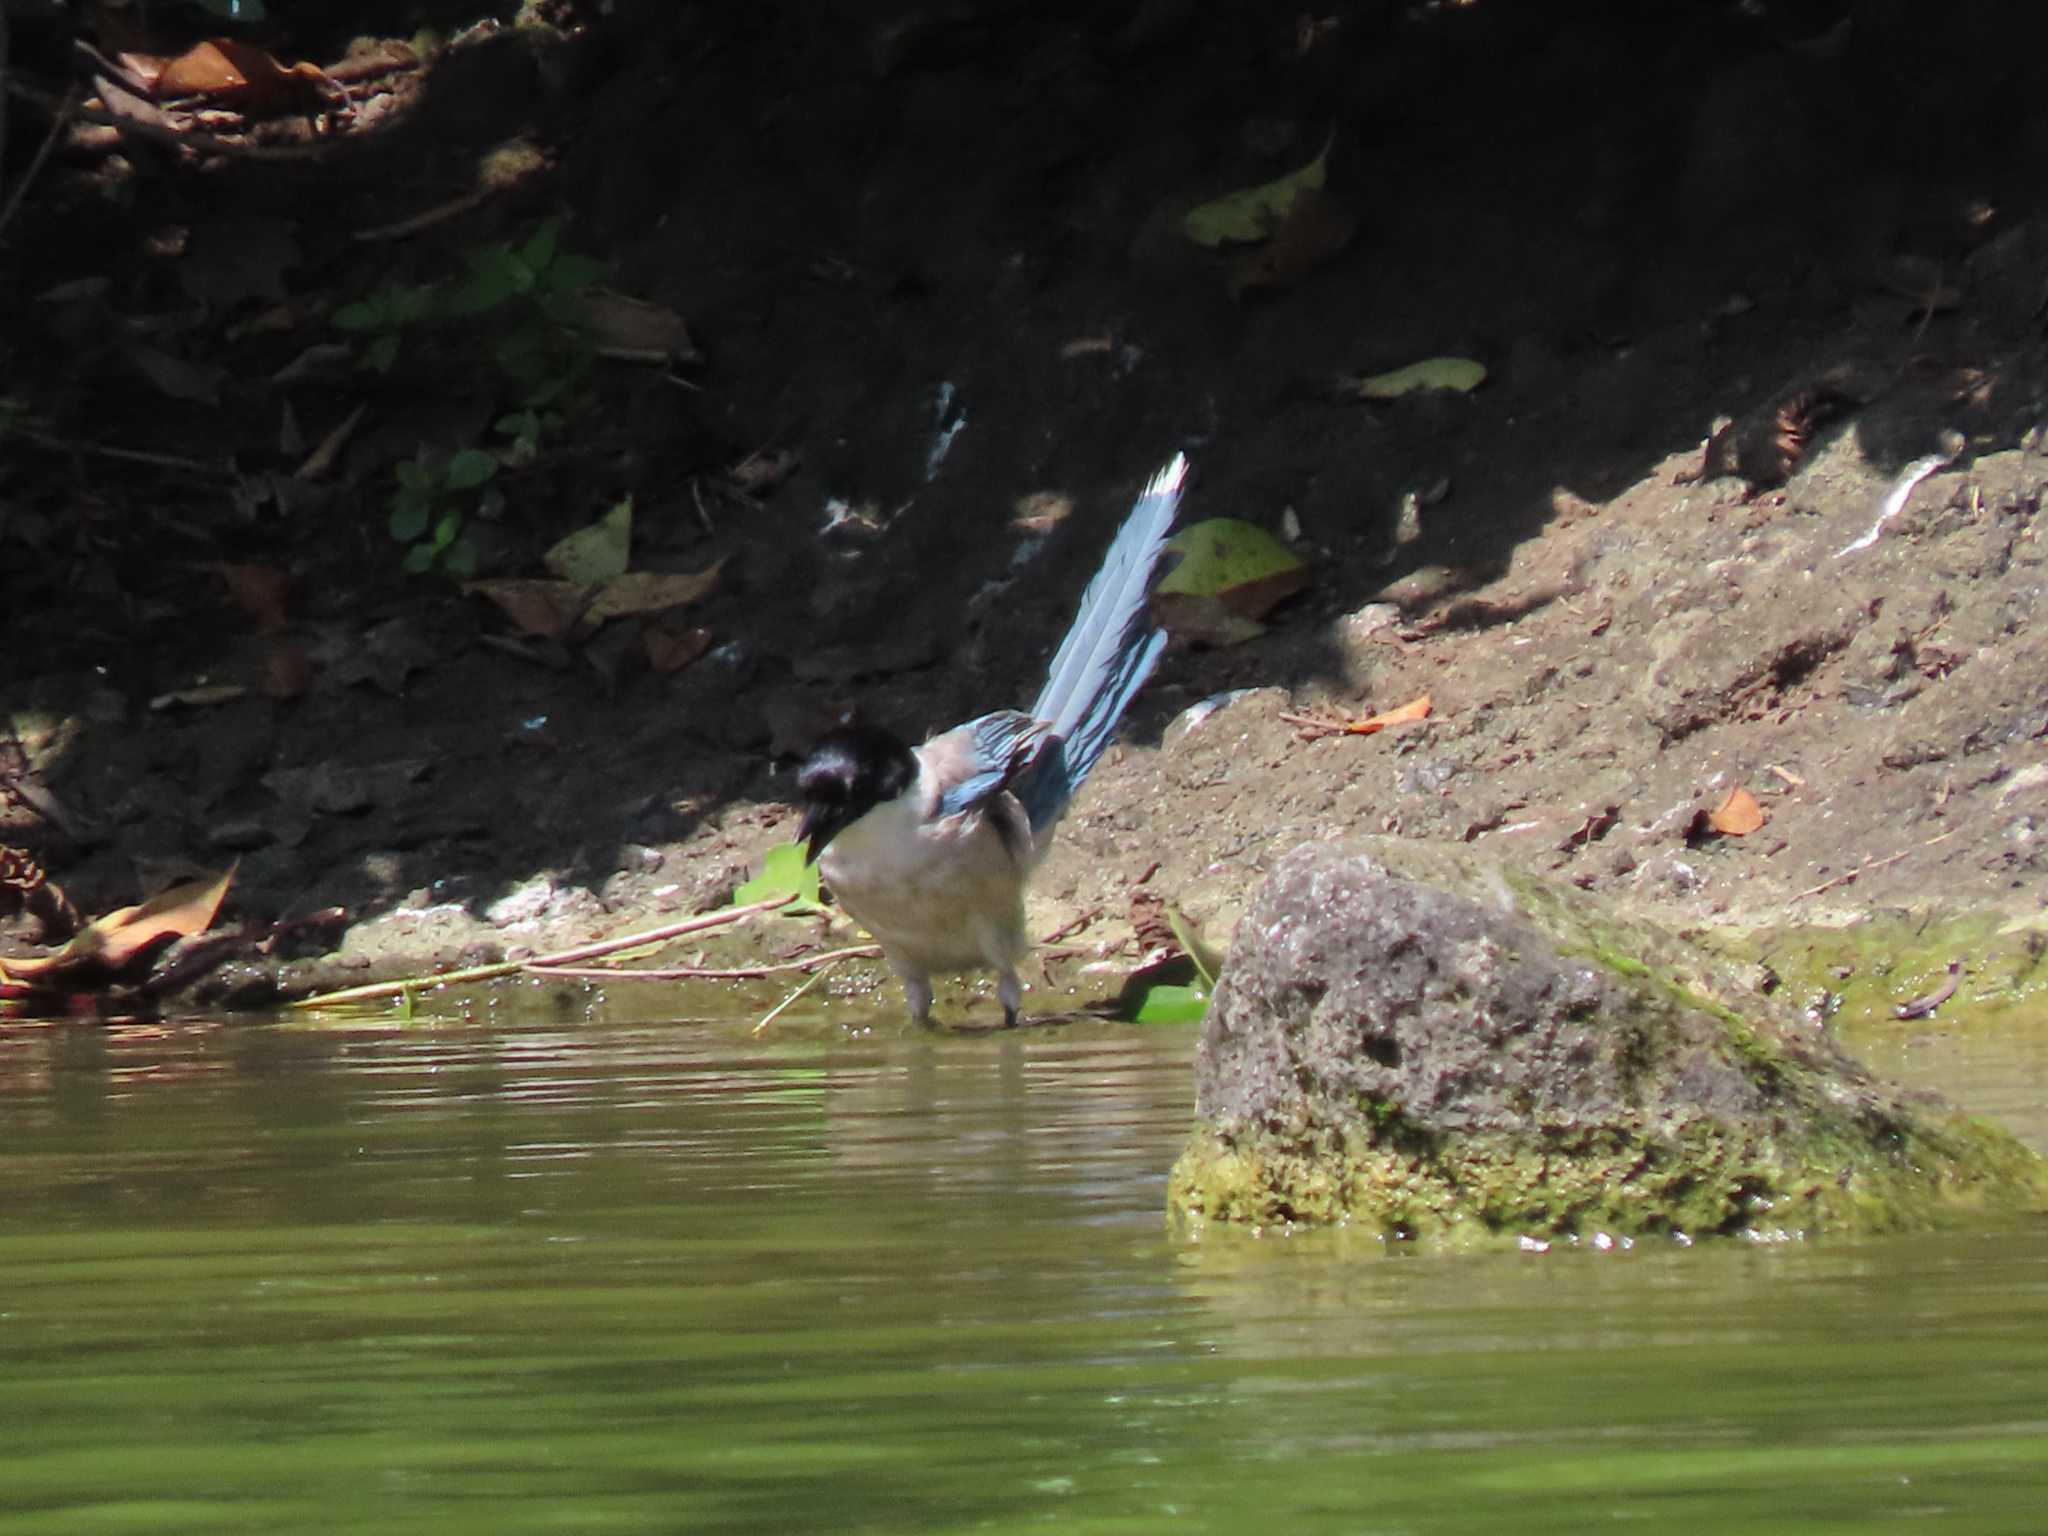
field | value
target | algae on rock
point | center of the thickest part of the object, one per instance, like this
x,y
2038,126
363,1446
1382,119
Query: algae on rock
x,y
1447,1054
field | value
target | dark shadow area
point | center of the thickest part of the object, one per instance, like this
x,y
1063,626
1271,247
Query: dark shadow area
x,y
881,222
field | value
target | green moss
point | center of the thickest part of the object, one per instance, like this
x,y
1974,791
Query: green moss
x,y
1698,1178
1866,969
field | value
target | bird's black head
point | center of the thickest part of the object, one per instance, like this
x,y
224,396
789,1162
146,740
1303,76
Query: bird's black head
x,y
849,772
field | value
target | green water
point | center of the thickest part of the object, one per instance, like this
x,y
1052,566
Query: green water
x,y
623,1276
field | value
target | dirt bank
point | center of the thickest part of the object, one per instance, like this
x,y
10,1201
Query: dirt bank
x,y
886,232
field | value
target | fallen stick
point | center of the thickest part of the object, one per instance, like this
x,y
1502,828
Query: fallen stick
x,y
1849,876
697,972
1923,1007
777,1011
59,125
406,985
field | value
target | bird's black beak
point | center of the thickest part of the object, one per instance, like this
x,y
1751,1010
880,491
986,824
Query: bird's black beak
x,y
822,822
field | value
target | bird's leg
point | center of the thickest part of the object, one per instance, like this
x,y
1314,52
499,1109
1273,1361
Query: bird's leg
x,y
1011,993
917,991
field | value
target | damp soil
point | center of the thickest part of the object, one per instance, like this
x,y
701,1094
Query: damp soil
x,y
932,260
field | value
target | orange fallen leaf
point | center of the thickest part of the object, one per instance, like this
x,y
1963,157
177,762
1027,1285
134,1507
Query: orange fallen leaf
x,y
1737,815
1415,709
1314,727
130,933
232,71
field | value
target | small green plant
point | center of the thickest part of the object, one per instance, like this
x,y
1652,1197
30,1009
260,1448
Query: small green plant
x,y
526,429
385,315
520,304
426,512
529,295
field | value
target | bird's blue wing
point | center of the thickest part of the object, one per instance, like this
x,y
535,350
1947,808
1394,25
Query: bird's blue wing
x,y
974,762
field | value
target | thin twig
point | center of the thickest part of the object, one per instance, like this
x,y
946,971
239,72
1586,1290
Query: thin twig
x,y
1073,926
126,455
196,140
780,1008
118,71
699,972
427,220
405,985
1849,876
59,125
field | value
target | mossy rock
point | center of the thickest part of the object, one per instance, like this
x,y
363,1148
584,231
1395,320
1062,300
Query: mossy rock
x,y
1451,1054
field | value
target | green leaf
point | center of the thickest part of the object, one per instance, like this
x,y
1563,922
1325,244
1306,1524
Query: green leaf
x,y
1254,213
598,552
517,424
408,518
446,529
1222,553
1230,575
363,315
418,559
470,468
783,872
460,557
1456,373
1169,1003
382,353
495,275
539,249
413,477
572,273
410,305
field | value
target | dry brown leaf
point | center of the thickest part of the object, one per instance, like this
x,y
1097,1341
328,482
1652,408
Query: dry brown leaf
x,y
1737,815
132,933
671,650
650,592
243,75
1316,227
287,671
546,609
614,323
260,592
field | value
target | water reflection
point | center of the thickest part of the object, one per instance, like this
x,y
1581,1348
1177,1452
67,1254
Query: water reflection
x,y
626,1274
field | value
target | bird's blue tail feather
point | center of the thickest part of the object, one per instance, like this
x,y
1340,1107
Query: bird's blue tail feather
x,y
1106,657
